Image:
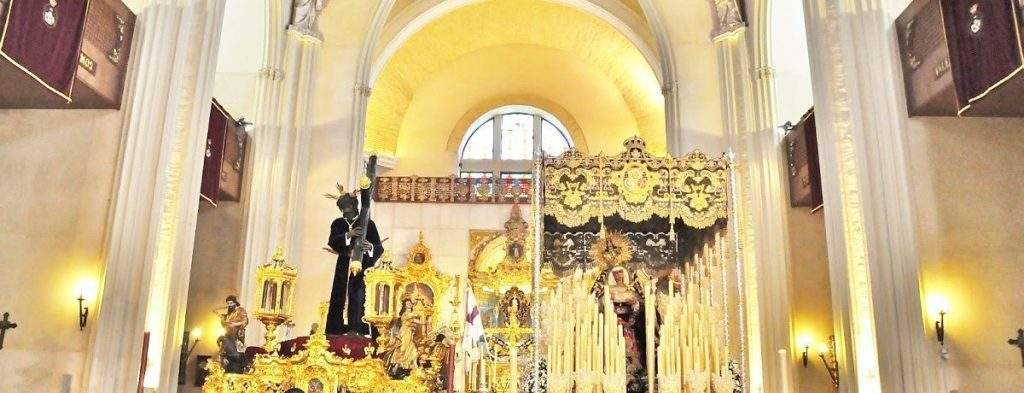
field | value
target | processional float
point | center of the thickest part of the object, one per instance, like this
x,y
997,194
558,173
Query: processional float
x,y
644,300
356,365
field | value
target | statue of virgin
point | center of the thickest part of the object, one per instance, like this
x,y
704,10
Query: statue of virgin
x,y
401,357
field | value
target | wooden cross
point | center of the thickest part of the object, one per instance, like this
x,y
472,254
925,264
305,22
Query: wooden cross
x,y
4,325
1019,343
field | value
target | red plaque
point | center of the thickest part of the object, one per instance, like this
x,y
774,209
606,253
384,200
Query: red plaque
x,y
214,153
39,44
962,57
224,157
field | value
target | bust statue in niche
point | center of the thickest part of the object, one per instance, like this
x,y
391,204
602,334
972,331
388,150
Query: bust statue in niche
x,y
419,258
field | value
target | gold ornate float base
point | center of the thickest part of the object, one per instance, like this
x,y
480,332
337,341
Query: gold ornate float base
x,y
272,373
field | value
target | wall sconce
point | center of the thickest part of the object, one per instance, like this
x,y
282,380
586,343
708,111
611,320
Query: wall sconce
x,y
195,335
939,305
186,351
804,342
86,291
827,353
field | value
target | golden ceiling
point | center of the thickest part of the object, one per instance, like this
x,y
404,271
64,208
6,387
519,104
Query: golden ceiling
x,y
503,22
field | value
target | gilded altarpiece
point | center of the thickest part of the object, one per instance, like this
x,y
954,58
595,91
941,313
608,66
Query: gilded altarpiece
x,y
500,276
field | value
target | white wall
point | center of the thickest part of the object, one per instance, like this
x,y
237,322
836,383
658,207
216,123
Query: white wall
x,y
58,172
966,177
789,58
812,300
240,55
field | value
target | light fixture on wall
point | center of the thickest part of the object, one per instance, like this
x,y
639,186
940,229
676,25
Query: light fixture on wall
x,y
827,353
938,305
804,342
83,313
188,344
86,289
195,334
246,125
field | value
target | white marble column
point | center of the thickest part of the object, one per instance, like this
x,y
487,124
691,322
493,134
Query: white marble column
x,y
748,103
280,146
152,225
873,261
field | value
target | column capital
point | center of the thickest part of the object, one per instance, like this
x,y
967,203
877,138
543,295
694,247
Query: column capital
x,y
363,89
669,87
271,73
764,73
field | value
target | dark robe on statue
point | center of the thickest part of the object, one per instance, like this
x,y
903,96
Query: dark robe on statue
x,y
356,285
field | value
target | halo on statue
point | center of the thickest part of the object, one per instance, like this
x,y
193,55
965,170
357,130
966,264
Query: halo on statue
x,y
612,249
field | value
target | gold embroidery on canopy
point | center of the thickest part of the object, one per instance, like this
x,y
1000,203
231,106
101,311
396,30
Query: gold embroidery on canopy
x,y
636,186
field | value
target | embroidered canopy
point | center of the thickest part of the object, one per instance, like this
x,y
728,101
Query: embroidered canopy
x,y
636,186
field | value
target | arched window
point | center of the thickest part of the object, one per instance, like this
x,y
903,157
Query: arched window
x,y
501,143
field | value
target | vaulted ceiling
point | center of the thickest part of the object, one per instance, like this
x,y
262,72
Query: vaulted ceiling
x,y
494,24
